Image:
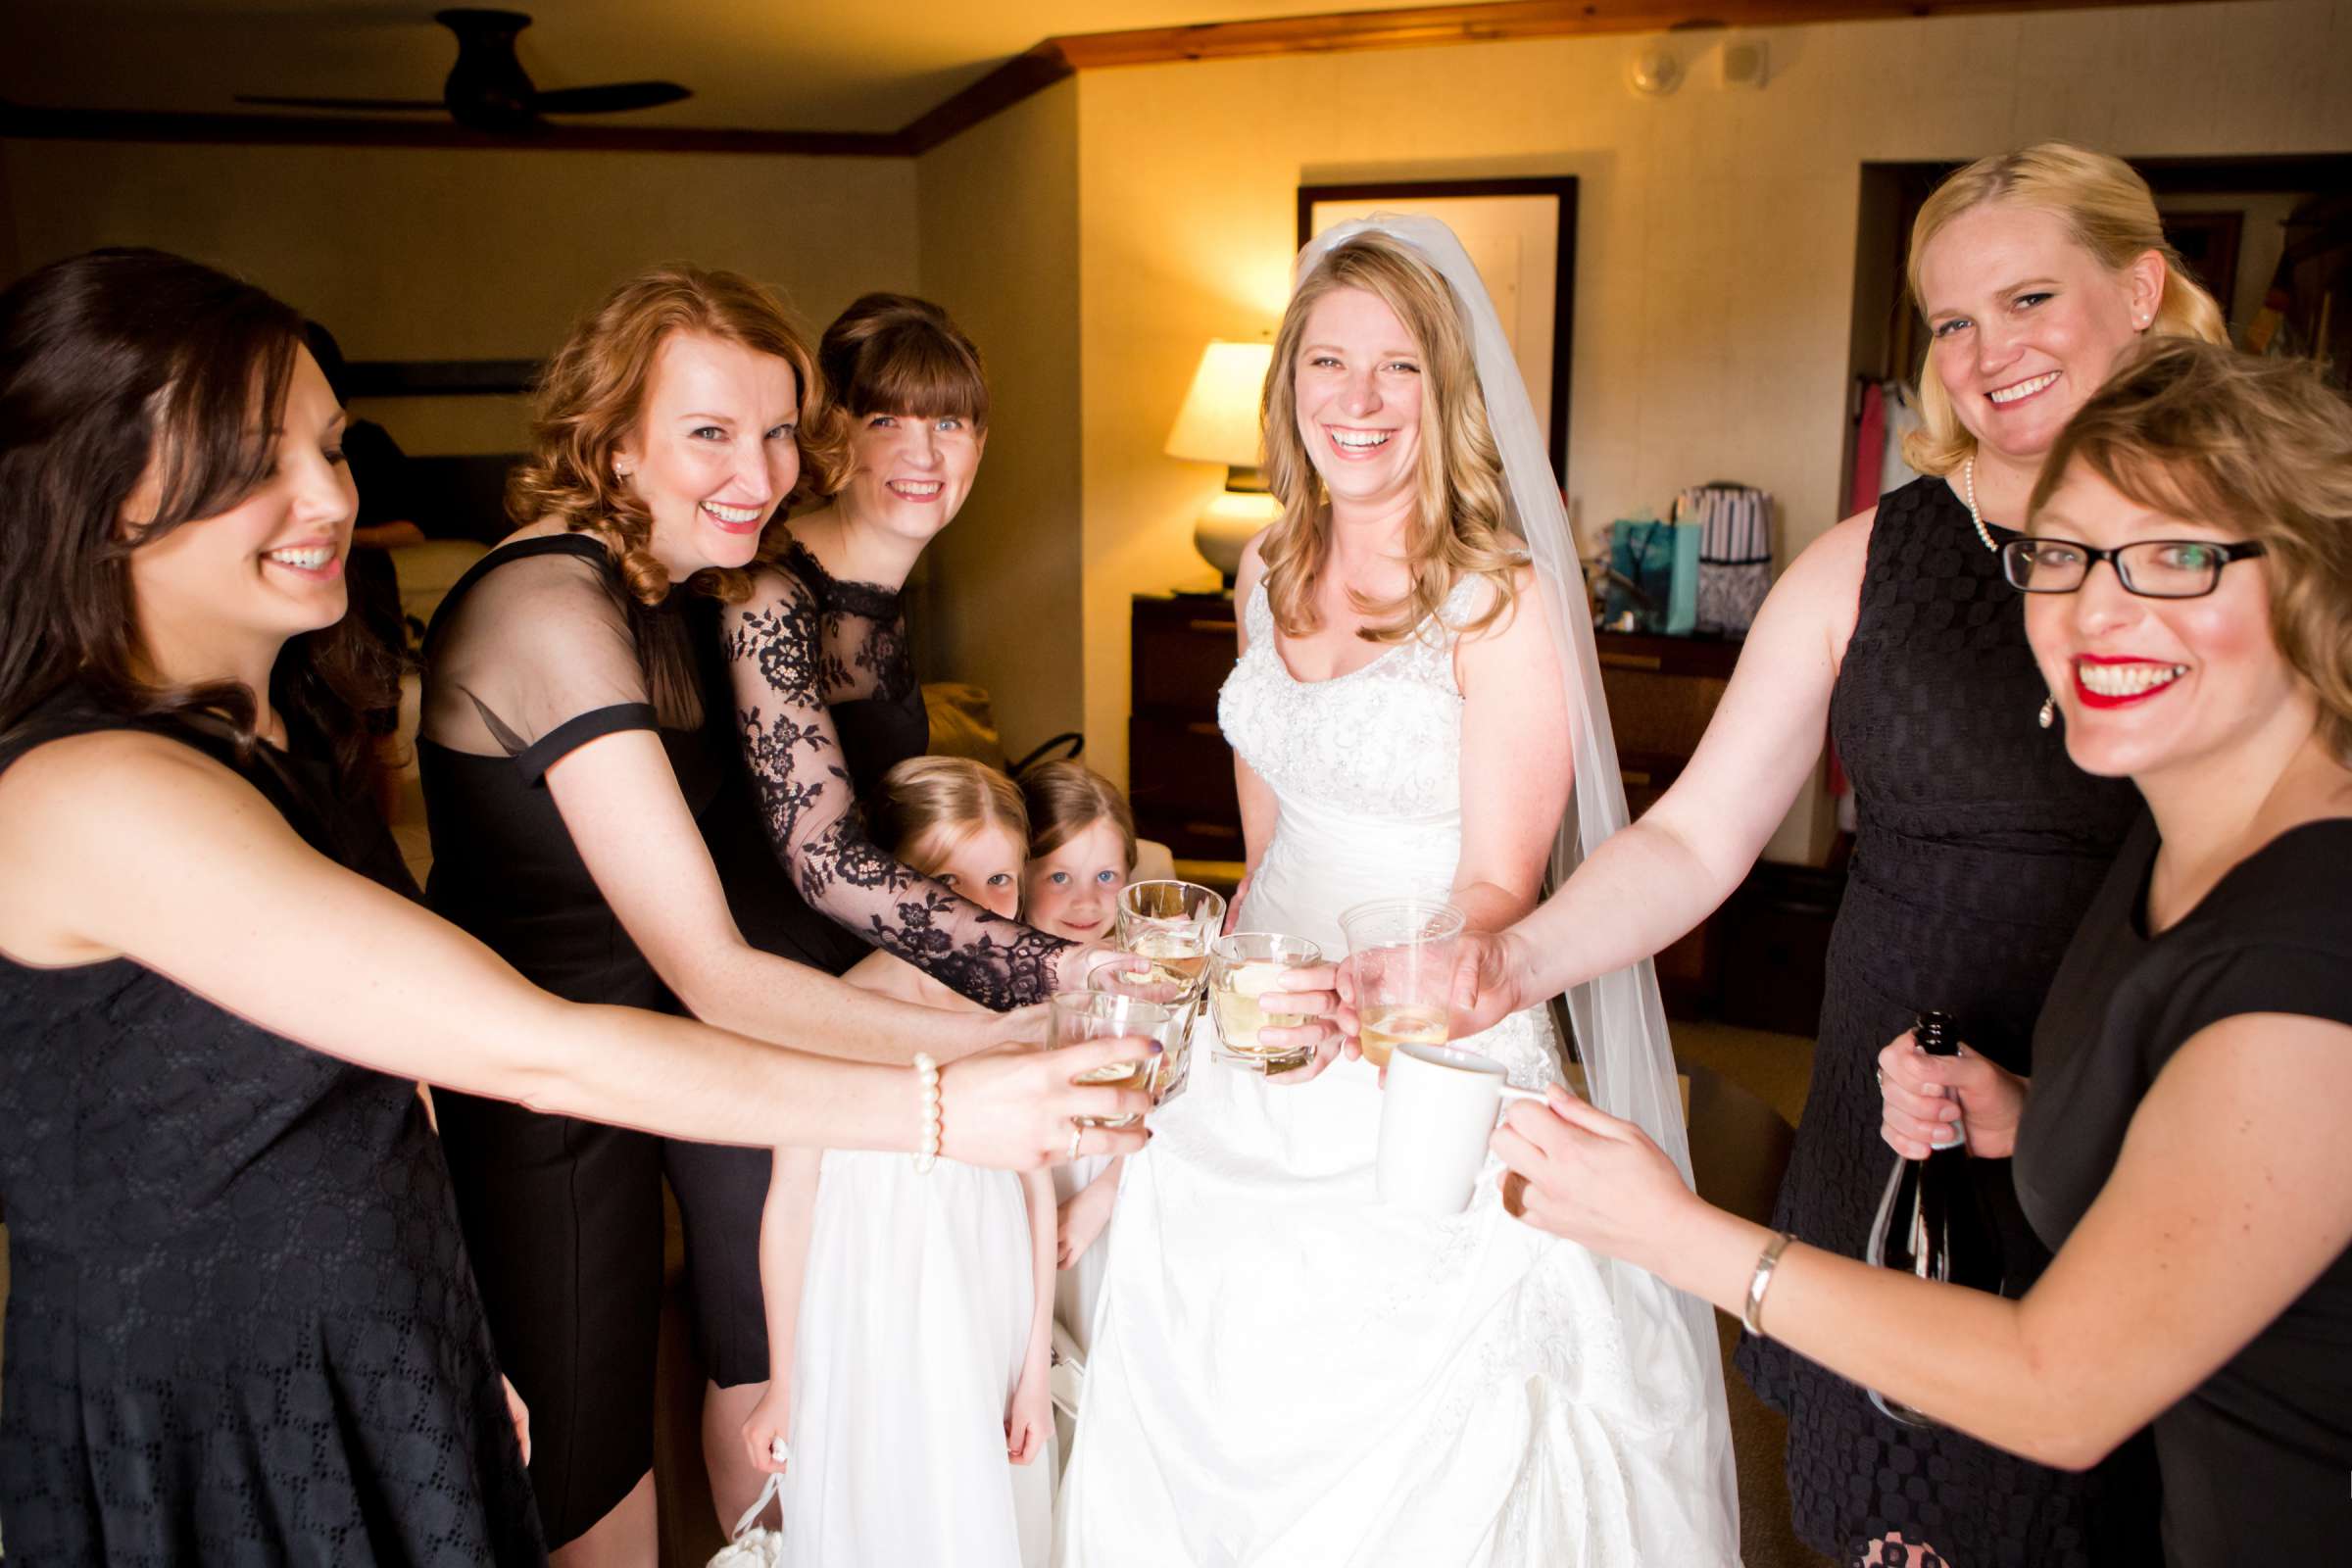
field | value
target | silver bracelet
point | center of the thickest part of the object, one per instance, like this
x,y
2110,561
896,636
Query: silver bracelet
x,y
926,1075
1752,1314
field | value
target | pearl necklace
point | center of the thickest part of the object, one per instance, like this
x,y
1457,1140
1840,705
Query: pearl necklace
x,y
1967,487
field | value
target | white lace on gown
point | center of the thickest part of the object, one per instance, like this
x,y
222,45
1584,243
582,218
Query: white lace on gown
x,y
1287,1373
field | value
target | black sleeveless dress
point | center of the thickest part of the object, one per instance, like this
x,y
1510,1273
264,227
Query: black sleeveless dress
x,y
241,1328
1980,847
2256,1457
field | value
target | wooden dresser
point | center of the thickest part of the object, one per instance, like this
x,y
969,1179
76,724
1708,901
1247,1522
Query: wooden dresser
x,y
1179,768
1661,691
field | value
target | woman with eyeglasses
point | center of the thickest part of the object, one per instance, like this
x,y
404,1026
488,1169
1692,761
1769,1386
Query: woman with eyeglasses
x,y
2187,571
1980,844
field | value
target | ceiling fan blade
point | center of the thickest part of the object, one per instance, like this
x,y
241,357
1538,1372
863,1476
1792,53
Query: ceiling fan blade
x,y
610,98
400,104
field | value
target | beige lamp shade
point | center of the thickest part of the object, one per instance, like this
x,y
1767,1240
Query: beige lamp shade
x,y
1218,422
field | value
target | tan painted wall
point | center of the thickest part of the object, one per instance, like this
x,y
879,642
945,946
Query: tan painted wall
x,y
412,254
1716,254
1000,249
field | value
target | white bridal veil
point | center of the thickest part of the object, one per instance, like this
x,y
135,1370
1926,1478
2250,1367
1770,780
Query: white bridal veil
x,y
1620,1027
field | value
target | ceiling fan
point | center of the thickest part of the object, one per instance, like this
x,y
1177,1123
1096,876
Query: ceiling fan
x,y
487,89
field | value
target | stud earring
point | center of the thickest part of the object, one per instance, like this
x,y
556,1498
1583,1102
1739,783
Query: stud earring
x,y
2049,711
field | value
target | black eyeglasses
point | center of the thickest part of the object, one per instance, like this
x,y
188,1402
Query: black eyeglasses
x,y
2153,568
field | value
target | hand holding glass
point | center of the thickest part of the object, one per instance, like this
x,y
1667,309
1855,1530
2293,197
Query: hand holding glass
x,y
1400,955
1242,968
1079,1015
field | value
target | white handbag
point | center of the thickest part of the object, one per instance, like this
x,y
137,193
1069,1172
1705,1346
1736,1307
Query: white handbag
x,y
754,1545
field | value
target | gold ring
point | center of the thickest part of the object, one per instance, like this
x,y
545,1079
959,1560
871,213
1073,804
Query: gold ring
x,y
1077,1131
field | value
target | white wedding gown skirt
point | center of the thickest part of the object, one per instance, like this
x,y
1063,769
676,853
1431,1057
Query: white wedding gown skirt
x,y
914,1318
1287,1373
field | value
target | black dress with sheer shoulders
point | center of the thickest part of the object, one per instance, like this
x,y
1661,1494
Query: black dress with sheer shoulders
x,y
241,1325
536,653
1980,845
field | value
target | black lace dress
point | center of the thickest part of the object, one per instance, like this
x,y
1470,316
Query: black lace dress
x,y
536,651
241,1328
824,701
1980,845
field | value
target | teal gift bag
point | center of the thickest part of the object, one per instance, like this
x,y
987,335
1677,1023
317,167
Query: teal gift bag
x,y
1653,572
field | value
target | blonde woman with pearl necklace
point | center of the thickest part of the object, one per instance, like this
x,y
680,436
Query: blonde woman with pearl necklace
x,y
1979,843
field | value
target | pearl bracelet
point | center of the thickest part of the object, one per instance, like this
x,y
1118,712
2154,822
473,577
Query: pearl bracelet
x,y
1751,1316
926,1075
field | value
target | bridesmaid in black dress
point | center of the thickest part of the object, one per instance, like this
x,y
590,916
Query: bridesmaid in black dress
x,y
241,1326
2188,571
1979,843
593,822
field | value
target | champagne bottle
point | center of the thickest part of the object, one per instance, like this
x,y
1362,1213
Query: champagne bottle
x,y
1932,1221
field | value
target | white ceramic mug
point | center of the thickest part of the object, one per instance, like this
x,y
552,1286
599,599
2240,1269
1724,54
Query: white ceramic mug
x,y
1440,1109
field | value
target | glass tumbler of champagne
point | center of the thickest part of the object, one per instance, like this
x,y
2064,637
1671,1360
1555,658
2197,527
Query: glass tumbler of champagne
x,y
1401,952
1242,968
1165,988
1171,925
1078,1015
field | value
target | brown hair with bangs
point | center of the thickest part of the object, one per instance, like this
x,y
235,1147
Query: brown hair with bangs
x,y
110,363
593,392
926,805
2260,447
1066,797
1458,527
896,354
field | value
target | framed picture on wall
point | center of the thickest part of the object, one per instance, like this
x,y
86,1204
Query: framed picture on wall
x,y
1521,234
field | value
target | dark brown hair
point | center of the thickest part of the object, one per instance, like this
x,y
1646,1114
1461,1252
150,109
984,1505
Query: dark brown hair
x,y
110,362
896,354
592,394
2262,448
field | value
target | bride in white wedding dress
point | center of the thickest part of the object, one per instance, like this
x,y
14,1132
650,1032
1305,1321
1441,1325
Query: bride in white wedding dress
x,y
1286,1373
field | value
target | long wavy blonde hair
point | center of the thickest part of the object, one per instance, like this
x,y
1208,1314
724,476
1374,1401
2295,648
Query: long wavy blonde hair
x,y
2109,211
593,392
1458,522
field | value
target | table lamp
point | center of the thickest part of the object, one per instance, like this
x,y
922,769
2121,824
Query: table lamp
x,y
1218,423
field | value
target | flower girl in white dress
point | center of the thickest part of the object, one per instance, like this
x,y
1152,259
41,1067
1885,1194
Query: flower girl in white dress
x,y
1081,853
909,1312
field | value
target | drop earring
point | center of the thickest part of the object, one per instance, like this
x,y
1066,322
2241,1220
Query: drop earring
x,y
2049,711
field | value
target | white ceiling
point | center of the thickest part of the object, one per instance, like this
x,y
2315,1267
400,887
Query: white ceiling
x,y
765,65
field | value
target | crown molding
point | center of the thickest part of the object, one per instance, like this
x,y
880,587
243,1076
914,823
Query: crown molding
x,y
1027,74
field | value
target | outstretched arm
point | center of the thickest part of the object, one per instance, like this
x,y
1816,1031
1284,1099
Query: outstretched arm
x,y
1656,879
2185,1256
231,904
620,803
774,644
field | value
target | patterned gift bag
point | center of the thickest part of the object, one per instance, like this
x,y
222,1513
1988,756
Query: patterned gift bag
x,y
1733,522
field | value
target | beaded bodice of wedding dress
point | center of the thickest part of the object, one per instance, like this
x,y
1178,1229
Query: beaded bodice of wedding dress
x,y
1367,770
1286,1371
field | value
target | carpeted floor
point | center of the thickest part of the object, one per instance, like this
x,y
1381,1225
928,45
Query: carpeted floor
x,y
1775,1069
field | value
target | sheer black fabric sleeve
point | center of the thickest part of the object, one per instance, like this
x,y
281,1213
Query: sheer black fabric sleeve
x,y
774,646
531,657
